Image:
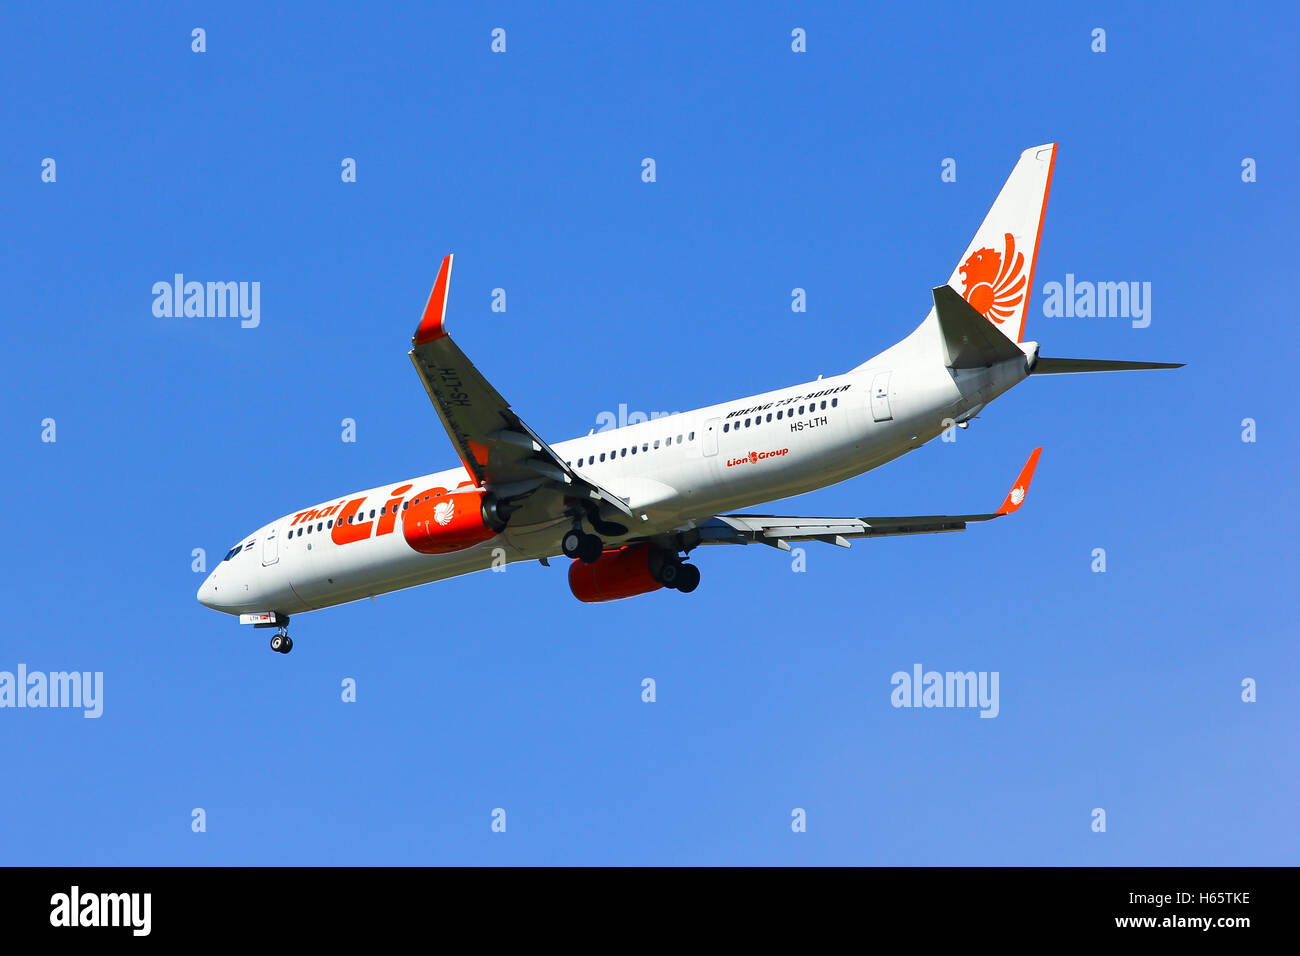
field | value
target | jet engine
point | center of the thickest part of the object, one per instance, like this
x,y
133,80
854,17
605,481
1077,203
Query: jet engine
x,y
440,521
621,573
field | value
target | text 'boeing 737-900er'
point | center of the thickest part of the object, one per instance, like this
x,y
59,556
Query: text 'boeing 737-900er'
x,y
625,505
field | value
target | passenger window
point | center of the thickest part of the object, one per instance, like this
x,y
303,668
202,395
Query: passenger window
x,y
692,436
634,449
602,456
679,439
645,447
330,523
623,454
823,404
656,444
834,402
801,409
372,512
309,529
726,427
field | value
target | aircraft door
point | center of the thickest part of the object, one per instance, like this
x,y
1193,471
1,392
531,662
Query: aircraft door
x,y
880,410
710,437
270,549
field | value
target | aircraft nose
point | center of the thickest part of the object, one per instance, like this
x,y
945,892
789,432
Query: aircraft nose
x,y
208,593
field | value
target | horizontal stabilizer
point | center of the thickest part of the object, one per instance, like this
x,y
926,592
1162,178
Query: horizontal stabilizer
x,y
969,339
1058,366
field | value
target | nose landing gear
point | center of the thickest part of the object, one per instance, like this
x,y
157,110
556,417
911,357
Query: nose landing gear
x,y
282,643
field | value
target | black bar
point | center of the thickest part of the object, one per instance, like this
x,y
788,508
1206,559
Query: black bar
x,y
929,904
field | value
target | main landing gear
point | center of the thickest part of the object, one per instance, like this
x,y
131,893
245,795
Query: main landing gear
x,y
578,544
673,573
588,547
282,643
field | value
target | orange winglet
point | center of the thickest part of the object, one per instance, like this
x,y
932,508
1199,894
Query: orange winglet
x,y
1016,496
435,312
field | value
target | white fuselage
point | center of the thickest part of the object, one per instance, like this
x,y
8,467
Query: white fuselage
x,y
685,468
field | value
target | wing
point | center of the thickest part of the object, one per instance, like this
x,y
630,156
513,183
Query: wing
x,y
778,531
497,449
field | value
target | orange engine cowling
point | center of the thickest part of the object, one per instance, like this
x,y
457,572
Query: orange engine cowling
x,y
440,521
620,573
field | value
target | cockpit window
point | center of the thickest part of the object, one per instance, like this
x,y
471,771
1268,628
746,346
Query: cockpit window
x,y
232,552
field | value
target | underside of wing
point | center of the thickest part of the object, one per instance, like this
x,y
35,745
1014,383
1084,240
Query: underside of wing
x,y
779,530
500,452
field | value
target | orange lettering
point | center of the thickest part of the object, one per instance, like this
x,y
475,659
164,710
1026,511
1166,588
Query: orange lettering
x,y
345,533
387,519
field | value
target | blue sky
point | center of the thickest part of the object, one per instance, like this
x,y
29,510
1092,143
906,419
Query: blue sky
x,y
775,170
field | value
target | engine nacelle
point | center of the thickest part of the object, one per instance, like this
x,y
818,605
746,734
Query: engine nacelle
x,y
617,574
440,521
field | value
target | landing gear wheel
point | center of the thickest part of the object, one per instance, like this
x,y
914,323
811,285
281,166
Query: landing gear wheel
x,y
277,643
591,548
688,578
670,574
571,543
288,644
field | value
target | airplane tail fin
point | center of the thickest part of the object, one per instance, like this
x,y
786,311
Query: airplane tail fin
x,y
978,319
996,273
992,284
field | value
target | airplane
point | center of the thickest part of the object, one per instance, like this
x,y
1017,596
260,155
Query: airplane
x,y
629,506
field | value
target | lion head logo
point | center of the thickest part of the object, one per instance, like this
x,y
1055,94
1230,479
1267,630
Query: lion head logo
x,y
993,282
443,511
1017,495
